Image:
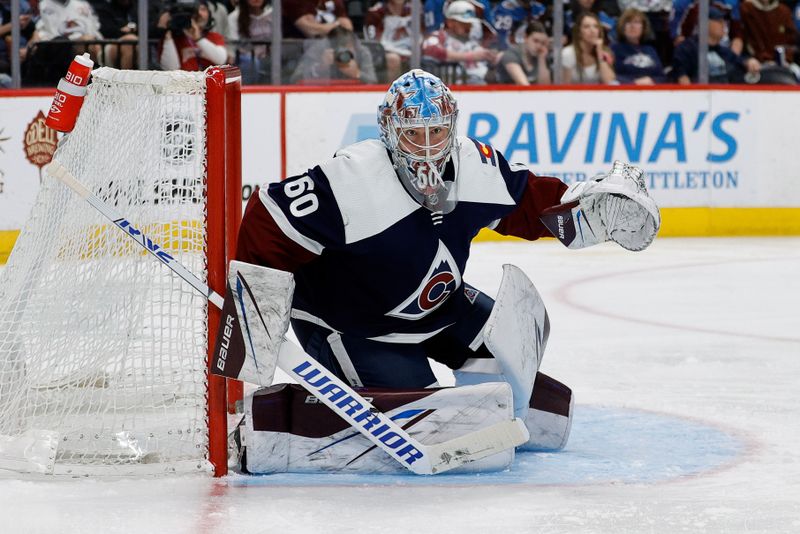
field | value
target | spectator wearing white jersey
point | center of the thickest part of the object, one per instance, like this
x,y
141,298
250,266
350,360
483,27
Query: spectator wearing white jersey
x,y
390,23
455,43
64,23
72,19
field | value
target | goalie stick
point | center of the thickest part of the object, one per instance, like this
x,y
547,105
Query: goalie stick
x,y
345,402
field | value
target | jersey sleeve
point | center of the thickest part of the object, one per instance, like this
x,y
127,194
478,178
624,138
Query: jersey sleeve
x,y
533,194
291,223
517,195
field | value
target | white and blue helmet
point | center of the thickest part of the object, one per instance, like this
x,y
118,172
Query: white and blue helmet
x,y
417,120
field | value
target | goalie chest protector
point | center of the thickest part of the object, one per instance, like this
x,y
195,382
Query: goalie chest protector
x,y
386,264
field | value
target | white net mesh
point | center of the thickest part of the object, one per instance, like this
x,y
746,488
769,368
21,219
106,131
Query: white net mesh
x,y
102,349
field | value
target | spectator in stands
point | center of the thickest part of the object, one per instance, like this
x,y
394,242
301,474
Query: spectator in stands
x,y
658,13
159,13
587,60
679,10
511,17
118,20
482,29
71,19
635,62
796,15
337,58
433,14
454,44
606,11
189,43
390,24
27,27
768,24
313,18
724,65
64,23
251,21
687,11
219,11
526,63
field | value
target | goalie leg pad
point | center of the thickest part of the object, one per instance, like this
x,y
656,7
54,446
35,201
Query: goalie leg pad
x,y
516,334
286,429
549,419
549,415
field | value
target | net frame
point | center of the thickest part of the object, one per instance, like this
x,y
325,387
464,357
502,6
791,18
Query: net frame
x,y
37,450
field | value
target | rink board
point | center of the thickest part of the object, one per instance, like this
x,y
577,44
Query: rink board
x,y
717,160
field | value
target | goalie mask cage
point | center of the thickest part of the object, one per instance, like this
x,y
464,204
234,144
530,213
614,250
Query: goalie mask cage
x,y
103,351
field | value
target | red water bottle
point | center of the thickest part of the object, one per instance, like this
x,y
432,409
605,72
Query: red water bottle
x,y
69,95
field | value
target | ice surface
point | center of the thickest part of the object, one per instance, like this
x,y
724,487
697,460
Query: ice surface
x,y
685,363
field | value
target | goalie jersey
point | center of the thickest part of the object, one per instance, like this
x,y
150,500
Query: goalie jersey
x,y
369,261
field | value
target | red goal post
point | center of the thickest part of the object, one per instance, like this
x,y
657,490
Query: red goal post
x,y
224,215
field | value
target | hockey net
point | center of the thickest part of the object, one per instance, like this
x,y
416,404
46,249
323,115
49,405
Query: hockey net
x,y
102,350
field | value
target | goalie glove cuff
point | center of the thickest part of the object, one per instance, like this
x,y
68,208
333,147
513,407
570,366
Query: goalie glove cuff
x,y
575,225
612,206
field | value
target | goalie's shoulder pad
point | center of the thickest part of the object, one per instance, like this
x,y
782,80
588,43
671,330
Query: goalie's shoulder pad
x,y
486,177
366,189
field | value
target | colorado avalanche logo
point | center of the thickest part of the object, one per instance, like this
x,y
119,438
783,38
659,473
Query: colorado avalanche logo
x,y
471,293
441,281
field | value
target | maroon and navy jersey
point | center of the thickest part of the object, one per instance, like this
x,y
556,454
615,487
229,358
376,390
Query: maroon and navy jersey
x,y
368,260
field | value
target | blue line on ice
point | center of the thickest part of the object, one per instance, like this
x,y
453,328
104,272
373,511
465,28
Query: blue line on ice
x,y
607,445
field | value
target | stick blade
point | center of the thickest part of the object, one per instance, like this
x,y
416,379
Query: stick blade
x,y
476,445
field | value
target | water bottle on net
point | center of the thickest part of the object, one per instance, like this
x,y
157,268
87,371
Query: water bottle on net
x,y
69,95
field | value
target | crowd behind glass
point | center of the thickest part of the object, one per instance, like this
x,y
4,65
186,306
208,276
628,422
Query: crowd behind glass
x,y
524,42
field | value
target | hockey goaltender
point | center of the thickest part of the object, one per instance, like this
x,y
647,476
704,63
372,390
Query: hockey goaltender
x,y
373,243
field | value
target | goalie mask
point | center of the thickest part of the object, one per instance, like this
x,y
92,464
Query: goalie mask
x,y
417,120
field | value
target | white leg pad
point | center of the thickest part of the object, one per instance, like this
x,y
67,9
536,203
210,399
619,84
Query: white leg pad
x,y
286,429
516,334
549,419
549,431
